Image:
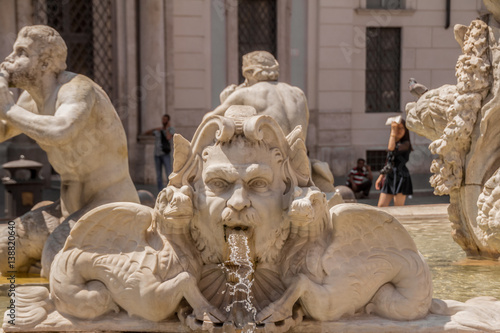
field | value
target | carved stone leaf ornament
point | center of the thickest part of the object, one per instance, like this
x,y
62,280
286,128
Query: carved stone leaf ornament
x,y
462,120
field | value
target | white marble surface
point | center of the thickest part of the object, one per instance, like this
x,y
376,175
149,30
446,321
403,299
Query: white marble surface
x,y
240,178
359,324
285,103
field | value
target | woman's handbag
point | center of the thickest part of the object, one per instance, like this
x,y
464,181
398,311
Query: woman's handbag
x,y
387,169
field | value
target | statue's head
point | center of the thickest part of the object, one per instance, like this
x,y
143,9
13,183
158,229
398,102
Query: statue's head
x,y
243,172
38,49
260,66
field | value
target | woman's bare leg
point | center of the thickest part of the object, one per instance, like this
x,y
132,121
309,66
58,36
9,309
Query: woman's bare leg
x,y
399,199
385,199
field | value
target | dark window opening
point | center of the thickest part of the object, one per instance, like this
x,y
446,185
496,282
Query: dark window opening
x,y
376,159
383,69
385,4
257,28
86,27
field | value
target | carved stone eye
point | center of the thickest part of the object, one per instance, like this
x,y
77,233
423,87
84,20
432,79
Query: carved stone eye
x,y
21,52
218,184
258,183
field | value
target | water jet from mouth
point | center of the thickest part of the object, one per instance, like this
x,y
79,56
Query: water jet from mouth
x,y
239,269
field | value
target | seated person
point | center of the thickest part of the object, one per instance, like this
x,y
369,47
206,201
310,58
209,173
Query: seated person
x,y
360,178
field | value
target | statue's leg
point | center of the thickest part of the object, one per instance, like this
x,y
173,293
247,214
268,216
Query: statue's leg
x,y
75,294
201,307
281,309
153,296
408,295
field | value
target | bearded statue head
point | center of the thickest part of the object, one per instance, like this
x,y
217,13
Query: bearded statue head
x,y
242,172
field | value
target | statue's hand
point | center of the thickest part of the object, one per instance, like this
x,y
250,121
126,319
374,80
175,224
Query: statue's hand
x,y
6,97
202,309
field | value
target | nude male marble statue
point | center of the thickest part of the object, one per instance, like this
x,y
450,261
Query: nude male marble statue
x,y
261,89
73,120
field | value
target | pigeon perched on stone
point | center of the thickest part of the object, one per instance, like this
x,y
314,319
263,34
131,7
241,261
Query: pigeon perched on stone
x,y
416,88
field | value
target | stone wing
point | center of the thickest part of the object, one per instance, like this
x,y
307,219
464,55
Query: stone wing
x,y
363,232
364,227
112,228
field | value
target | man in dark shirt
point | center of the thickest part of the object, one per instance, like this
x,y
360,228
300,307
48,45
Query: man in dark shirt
x,y
162,155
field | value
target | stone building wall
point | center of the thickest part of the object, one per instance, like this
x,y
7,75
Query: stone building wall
x,y
429,53
173,56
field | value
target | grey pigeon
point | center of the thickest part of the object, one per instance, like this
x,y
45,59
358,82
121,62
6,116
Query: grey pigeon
x,y
416,89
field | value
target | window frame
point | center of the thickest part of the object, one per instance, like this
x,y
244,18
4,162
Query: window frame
x,y
269,42
376,158
385,4
95,47
377,67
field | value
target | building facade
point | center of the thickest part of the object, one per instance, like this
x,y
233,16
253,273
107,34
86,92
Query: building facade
x,y
353,59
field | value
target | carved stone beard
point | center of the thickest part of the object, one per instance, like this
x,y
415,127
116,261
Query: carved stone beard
x,y
210,240
21,78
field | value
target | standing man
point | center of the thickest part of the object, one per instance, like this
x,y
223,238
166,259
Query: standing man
x,y
360,178
73,120
163,138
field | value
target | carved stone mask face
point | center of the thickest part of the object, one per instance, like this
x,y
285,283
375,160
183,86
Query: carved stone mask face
x,y
241,190
22,64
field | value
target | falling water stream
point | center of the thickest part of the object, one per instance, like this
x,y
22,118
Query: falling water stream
x,y
239,271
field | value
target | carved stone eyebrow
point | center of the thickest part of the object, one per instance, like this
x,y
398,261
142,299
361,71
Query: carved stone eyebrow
x,y
21,47
225,171
258,171
231,173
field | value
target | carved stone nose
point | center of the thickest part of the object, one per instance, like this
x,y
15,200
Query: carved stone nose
x,y
239,200
9,58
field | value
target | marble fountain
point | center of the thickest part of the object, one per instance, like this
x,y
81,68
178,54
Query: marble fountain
x,y
247,237
453,275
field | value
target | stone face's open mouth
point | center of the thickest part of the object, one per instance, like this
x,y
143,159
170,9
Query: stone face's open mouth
x,y
238,229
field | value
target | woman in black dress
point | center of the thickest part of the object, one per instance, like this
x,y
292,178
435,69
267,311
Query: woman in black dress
x,y
397,183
